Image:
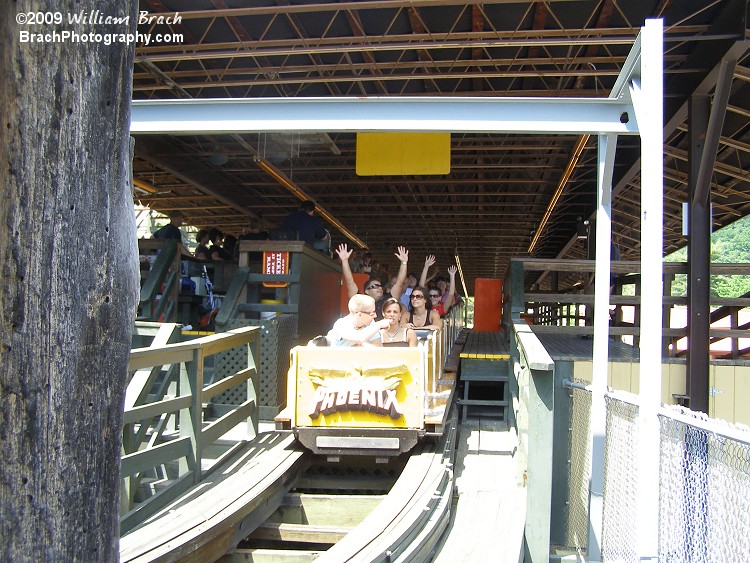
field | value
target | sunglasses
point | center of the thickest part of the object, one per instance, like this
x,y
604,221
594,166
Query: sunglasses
x,y
434,295
373,286
417,296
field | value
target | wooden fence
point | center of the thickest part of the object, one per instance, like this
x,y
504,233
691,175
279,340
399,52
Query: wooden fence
x,y
164,417
563,306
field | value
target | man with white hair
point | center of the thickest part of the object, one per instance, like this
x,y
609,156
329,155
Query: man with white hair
x,y
359,327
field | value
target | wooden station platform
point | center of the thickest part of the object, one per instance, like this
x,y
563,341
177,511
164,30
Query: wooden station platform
x,y
485,346
489,509
571,347
484,362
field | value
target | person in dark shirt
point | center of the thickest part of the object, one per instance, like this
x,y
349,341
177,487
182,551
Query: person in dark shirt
x,y
172,231
218,253
230,248
255,232
202,252
374,287
308,227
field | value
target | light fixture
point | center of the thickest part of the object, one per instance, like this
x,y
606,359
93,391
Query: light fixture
x,y
559,190
144,186
282,179
582,229
461,274
218,158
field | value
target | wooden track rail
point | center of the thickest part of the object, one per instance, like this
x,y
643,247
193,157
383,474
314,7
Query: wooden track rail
x,y
413,516
404,526
241,492
210,518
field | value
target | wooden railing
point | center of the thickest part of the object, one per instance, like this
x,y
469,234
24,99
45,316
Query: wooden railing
x,y
164,420
565,309
161,286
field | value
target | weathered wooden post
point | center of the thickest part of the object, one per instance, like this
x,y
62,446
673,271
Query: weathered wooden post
x,y
69,267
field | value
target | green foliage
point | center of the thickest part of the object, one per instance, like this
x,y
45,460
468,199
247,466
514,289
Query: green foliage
x,y
728,245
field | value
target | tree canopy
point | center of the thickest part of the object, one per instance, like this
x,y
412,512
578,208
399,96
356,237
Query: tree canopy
x,y
730,245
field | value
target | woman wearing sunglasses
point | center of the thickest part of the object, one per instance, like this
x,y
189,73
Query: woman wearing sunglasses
x,y
421,314
436,299
396,334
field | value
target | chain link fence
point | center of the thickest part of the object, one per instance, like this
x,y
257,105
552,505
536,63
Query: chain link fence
x,y
620,514
704,483
704,495
579,470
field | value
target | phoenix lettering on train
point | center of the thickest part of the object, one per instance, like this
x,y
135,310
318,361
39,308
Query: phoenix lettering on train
x,y
372,390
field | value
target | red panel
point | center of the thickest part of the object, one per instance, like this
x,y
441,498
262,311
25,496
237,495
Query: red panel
x,y
488,304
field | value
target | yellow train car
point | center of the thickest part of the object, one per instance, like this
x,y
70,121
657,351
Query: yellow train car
x,y
378,402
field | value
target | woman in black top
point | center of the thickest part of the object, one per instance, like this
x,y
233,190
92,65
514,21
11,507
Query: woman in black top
x,y
421,314
202,252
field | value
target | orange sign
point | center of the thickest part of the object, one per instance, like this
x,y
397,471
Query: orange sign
x,y
275,263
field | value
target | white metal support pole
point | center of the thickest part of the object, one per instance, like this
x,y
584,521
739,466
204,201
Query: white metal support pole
x,y
648,102
605,165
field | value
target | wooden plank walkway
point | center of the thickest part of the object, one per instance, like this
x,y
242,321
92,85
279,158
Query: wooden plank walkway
x,y
568,347
485,345
488,519
484,361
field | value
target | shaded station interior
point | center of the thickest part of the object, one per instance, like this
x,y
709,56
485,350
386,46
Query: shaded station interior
x,y
506,195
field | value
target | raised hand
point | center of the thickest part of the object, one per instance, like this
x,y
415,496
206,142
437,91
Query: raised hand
x,y
429,261
452,271
402,254
343,252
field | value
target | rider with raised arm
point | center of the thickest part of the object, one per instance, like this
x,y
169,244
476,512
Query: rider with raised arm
x,y
374,287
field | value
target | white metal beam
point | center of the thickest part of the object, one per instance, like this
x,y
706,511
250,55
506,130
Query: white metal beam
x,y
650,110
547,116
605,167
639,83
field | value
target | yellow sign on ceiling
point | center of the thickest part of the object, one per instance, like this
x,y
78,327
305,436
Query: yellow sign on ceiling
x,y
403,154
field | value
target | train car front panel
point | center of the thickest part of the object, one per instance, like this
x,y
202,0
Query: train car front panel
x,y
357,400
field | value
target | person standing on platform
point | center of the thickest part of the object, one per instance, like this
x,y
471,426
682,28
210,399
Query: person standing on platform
x,y
309,228
254,231
218,254
172,231
202,252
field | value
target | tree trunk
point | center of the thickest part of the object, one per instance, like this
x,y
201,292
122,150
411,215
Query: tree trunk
x,y
68,262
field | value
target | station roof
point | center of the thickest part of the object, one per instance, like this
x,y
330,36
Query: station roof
x,y
506,195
